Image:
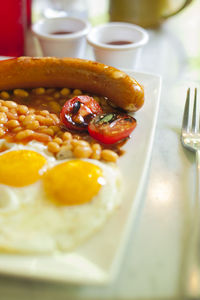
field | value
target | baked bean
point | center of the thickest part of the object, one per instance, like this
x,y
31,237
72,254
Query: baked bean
x,y
59,134
22,109
40,119
12,124
67,136
65,91
57,140
74,141
17,129
77,92
82,151
64,152
48,131
13,111
20,93
96,151
21,118
2,132
109,155
12,116
53,147
3,118
43,127
31,110
81,143
44,113
66,143
44,120
54,128
5,95
24,134
48,121
33,125
39,91
3,108
10,104
56,95
41,137
28,119
55,118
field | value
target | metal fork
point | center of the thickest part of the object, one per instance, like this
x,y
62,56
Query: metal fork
x,y
190,136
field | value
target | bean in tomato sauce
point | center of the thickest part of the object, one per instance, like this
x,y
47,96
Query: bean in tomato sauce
x,y
33,114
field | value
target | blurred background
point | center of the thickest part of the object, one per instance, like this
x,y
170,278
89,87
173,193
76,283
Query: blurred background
x,y
16,16
141,12
96,11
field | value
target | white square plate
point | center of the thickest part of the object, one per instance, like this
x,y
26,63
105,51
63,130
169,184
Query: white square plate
x,y
97,261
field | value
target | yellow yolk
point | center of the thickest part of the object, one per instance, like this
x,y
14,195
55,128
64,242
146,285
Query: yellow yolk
x,y
21,167
73,182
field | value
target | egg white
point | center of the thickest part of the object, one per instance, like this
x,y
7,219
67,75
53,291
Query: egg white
x,y
30,223
33,145
12,198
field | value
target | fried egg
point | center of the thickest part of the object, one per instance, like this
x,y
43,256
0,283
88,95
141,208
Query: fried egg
x,y
48,205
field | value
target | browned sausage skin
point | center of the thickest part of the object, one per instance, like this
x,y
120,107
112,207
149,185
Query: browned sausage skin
x,y
90,76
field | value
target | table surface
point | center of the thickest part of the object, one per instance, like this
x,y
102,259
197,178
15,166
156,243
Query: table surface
x,y
154,266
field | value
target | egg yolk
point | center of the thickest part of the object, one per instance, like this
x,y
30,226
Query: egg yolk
x,y
73,182
21,167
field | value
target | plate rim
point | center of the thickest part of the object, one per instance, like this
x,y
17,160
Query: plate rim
x,y
137,202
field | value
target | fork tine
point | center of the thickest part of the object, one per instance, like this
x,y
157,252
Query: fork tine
x,y
185,123
194,116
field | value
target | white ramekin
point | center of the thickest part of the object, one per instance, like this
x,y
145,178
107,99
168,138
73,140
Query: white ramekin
x,y
121,56
62,45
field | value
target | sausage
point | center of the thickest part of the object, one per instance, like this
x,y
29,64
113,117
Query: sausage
x,y
89,76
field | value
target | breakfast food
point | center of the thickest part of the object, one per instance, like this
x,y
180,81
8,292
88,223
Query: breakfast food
x,y
46,208
93,77
82,106
107,128
58,146
22,123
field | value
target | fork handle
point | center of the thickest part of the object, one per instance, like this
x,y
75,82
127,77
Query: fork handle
x,y
193,241
198,176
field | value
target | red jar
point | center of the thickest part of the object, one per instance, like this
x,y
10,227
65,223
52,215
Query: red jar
x,y
29,12
13,19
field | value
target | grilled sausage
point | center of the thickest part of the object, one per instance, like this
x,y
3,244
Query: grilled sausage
x,y
89,76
